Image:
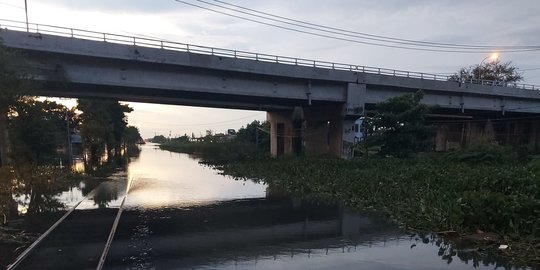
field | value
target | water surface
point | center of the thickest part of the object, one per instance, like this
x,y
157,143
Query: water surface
x,y
182,215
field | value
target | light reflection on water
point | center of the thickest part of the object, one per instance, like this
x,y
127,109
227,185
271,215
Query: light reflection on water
x,y
165,179
181,215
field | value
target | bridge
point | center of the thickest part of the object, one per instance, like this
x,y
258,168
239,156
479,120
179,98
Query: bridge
x,y
310,104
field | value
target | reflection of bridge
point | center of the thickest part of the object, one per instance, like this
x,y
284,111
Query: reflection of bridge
x,y
312,100
244,228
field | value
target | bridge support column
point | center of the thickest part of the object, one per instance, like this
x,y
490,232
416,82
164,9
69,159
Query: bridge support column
x,y
318,129
281,132
313,130
324,130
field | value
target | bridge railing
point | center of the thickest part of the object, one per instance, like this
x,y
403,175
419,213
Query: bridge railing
x,y
170,45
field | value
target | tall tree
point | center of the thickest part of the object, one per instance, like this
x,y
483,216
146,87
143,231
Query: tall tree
x,y
492,71
399,126
37,130
12,86
103,123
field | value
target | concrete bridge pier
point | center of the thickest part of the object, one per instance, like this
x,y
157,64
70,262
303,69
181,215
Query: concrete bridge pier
x,y
312,130
520,132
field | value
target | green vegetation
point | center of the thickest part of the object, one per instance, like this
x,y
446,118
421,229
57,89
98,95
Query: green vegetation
x,y
103,127
249,142
37,130
399,127
492,71
437,192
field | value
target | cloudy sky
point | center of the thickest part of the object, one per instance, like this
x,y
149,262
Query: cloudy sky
x,y
496,22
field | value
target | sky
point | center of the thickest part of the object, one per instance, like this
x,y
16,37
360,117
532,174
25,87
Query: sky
x,y
478,22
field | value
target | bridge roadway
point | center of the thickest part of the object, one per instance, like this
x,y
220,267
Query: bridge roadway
x,y
322,99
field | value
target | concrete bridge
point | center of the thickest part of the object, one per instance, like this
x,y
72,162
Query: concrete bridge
x,y
312,105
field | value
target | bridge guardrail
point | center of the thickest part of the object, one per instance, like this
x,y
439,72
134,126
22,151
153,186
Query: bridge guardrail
x,y
170,45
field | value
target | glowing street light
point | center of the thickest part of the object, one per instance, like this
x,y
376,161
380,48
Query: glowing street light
x,y
492,57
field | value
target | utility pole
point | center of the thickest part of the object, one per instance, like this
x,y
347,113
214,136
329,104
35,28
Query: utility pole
x,y
70,147
26,12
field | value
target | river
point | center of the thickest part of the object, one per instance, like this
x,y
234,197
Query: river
x,y
179,214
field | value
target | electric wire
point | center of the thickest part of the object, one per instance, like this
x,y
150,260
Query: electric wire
x,y
348,33
203,124
371,35
456,50
11,5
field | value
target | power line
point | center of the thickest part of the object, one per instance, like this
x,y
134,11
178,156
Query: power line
x,y
206,124
529,69
11,5
364,35
456,50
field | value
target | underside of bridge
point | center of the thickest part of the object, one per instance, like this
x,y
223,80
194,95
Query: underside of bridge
x,y
328,130
313,130
486,128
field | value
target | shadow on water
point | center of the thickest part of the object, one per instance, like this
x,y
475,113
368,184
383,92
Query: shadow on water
x,y
278,234
33,198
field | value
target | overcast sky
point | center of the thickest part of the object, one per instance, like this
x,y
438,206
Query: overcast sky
x,y
499,22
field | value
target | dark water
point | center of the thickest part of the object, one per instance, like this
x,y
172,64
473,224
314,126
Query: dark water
x,y
181,215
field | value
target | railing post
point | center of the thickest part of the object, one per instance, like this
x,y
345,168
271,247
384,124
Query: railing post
x,y
314,63
296,61
421,75
212,51
104,37
394,72
256,57
407,74
234,54
379,71
71,32
161,43
277,59
333,67
134,42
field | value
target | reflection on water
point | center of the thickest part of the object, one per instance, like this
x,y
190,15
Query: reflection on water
x,y
181,215
277,234
165,179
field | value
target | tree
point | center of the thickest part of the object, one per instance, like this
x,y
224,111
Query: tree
x,y
132,136
159,139
37,130
103,123
12,86
254,133
399,127
491,71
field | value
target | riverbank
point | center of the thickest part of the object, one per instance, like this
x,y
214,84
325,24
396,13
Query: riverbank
x,y
489,197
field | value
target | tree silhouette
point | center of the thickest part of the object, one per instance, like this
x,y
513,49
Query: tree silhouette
x,y
491,71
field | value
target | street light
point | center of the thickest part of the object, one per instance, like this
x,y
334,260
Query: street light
x,y
492,57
